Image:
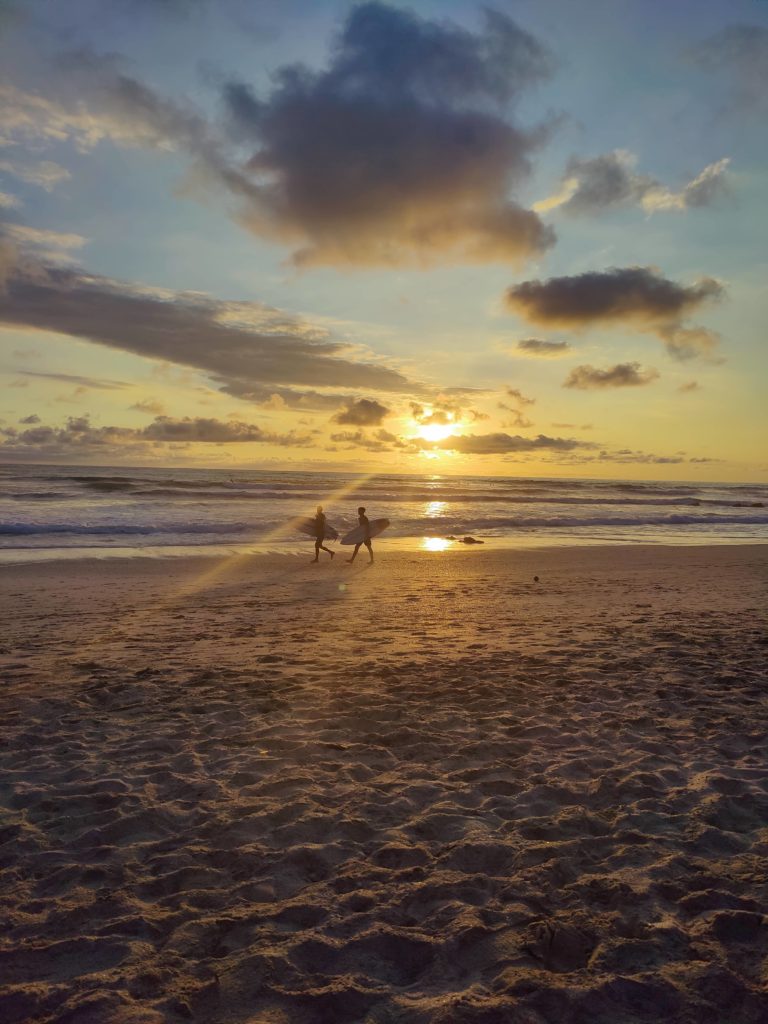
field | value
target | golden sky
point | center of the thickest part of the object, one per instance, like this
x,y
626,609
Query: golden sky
x,y
379,237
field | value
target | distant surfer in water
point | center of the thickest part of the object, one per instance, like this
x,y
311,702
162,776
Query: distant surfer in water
x,y
320,534
362,519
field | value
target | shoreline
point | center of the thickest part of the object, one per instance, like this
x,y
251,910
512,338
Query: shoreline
x,y
395,545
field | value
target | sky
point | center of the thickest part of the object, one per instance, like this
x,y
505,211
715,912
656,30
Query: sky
x,y
520,239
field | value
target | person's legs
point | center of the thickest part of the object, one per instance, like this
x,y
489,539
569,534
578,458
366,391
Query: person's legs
x,y
318,545
370,550
354,553
324,548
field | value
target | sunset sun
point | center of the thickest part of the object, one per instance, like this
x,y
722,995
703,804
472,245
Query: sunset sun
x,y
436,431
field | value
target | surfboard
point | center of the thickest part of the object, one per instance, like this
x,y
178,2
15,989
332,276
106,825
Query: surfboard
x,y
357,536
309,527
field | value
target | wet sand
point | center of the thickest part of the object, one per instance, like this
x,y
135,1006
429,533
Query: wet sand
x,y
432,790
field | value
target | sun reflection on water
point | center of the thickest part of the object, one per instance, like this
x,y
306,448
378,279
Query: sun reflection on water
x,y
435,543
434,508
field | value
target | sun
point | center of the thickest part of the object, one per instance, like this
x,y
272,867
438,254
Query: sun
x,y
436,431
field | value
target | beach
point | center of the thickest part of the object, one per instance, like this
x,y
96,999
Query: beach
x,y
427,791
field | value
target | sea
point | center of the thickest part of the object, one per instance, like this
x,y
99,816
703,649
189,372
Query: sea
x,y
54,512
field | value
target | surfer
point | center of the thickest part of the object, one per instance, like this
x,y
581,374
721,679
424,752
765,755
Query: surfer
x,y
362,519
319,522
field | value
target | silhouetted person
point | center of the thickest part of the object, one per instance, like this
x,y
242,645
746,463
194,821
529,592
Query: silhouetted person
x,y
320,534
362,519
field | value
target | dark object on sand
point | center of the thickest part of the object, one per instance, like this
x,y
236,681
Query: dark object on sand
x,y
535,579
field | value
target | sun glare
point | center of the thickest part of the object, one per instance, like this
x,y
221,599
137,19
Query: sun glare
x,y
436,431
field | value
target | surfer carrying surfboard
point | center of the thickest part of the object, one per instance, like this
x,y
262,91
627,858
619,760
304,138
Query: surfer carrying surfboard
x,y
319,522
365,526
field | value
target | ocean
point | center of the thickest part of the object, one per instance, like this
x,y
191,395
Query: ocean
x,y
49,512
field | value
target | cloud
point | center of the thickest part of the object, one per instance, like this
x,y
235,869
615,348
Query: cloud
x,y
79,434
9,202
517,420
626,455
212,431
397,153
688,342
592,185
517,396
240,345
149,405
53,245
401,152
636,296
452,405
380,442
623,375
45,173
691,385
284,398
73,378
538,347
93,101
740,51
498,444
33,418
629,456
519,401
365,412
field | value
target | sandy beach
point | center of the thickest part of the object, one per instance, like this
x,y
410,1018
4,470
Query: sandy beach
x,y
424,792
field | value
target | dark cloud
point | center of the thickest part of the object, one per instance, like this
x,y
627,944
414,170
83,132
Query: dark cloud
x,y
626,455
205,430
396,153
240,345
400,152
33,418
623,375
359,439
379,441
517,396
72,378
282,397
691,385
629,456
609,180
498,444
365,412
740,51
636,296
538,347
79,434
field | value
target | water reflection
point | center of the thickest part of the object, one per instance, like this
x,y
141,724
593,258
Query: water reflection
x,y
435,543
434,508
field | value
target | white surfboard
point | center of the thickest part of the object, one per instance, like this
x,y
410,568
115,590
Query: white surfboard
x,y
357,536
309,526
